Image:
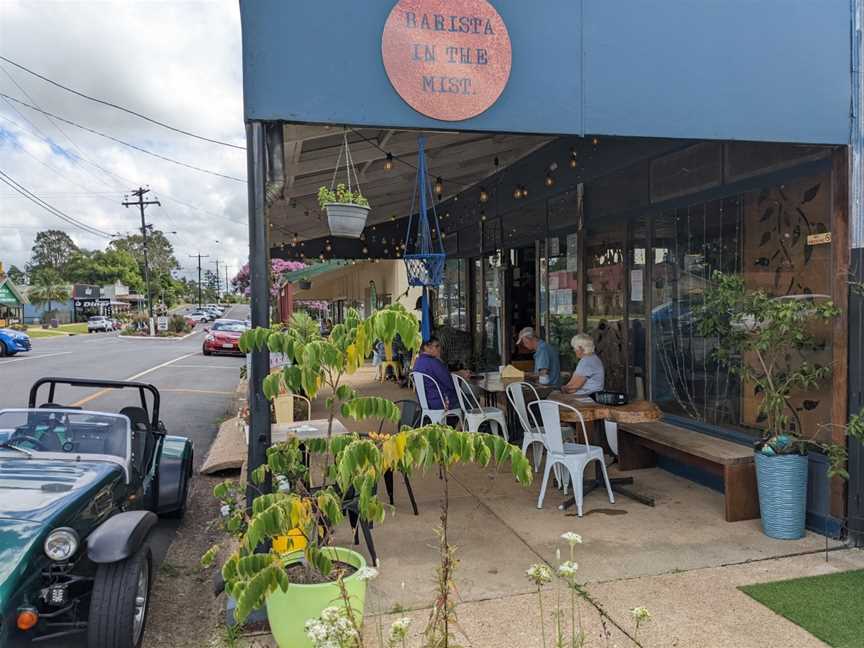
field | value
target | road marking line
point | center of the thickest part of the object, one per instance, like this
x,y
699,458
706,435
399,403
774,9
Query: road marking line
x,y
197,391
35,357
102,392
204,366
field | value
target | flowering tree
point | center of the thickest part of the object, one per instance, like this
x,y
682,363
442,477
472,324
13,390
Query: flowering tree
x,y
278,267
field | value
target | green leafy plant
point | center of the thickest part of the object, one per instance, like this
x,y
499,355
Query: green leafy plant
x,y
765,340
342,194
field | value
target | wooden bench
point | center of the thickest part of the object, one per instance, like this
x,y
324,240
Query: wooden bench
x,y
640,443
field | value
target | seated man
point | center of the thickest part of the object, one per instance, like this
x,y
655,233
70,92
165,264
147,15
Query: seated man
x,y
547,365
429,362
589,376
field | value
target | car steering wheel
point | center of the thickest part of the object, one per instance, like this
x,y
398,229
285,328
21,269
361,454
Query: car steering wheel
x,y
31,439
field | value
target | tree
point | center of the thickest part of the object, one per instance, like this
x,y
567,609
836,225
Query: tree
x,y
51,249
104,267
160,252
48,288
16,275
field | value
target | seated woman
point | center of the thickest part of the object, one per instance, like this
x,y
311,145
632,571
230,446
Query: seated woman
x,y
429,362
589,375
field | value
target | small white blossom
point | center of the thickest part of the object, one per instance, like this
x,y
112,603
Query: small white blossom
x,y
225,510
367,573
641,614
571,538
568,569
399,629
539,574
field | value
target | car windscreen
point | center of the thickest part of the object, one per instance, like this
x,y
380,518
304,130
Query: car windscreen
x,y
234,327
65,431
96,319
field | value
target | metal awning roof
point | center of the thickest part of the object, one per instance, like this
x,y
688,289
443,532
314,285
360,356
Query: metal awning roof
x,y
310,154
314,270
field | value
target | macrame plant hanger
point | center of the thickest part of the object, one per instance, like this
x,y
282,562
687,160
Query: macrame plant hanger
x,y
424,257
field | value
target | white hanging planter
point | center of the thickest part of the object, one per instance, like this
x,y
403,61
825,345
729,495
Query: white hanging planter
x,y
345,219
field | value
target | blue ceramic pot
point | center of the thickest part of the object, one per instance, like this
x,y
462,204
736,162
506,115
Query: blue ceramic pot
x,y
782,483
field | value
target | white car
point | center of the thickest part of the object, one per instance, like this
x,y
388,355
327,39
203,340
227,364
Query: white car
x,y
99,323
199,316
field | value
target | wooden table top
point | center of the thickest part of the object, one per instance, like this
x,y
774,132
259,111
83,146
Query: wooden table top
x,y
634,412
303,430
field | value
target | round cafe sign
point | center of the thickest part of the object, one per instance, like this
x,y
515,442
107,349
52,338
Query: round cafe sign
x,y
448,59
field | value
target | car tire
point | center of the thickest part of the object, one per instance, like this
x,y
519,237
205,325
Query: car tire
x,y
118,615
3,351
206,351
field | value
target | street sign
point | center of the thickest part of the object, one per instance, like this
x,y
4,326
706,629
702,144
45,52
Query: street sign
x,y
162,323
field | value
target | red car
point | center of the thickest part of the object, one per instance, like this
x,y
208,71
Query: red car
x,y
224,337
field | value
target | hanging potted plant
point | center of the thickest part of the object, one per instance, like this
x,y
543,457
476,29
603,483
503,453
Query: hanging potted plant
x,y
765,340
346,208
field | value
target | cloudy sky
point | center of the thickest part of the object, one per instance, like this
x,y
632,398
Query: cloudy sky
x,y
177,62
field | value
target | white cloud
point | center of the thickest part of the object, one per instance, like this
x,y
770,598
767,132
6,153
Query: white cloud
x,y
178,62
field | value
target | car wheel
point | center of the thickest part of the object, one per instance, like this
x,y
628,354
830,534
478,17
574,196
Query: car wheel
x,y
119,602
206,351
3,351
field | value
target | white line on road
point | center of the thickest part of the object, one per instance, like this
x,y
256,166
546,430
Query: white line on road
x,y
204,366
34,357
102,392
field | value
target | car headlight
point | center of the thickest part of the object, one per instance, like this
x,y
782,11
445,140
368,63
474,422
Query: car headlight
x,y
209,338
61,544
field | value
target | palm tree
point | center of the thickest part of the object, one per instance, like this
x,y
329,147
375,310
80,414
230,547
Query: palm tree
x,y
47,289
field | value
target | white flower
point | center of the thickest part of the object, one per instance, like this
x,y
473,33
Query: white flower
x,y
399,629
367,573
539,574
641,614
571,538
568,569
225,510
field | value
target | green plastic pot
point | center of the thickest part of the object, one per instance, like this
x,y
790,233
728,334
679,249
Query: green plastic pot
x,y
288,612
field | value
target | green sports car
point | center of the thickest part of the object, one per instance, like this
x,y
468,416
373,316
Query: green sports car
x,y
80,492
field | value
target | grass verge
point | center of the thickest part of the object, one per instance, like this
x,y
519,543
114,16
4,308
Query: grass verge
x,y
829,607
43,333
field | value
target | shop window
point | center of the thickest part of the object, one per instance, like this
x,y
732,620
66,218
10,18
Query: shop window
x,y
605,293
637,251
559,291
452,302
493,309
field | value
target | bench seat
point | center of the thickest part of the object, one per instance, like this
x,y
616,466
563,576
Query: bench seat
x,y
640,443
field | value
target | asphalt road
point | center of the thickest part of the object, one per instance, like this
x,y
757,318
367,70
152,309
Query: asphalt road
x,y
196,391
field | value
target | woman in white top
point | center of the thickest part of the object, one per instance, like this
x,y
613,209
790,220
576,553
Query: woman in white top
x,y
589,375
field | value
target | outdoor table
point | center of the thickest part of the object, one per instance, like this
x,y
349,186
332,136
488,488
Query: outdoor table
x,y
279,432
640,411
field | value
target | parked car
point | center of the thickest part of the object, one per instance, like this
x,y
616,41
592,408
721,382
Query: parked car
x,y
12,342
216,308
224,337
199,316
215,312
99,323
80,492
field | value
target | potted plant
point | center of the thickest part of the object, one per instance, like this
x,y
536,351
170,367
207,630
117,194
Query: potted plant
x,y
346,210
765,340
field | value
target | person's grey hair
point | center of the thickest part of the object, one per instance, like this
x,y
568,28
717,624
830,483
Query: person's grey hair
x,y
584,342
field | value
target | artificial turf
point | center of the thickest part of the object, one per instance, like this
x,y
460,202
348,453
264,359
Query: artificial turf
x,y
830,607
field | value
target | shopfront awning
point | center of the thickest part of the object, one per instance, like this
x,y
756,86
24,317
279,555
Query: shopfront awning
x,y
10,295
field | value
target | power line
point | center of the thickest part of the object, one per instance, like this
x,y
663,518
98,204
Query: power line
x,y
8,180
126,110
123,142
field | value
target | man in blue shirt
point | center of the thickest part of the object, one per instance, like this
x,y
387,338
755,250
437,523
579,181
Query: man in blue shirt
x,y
547,364
429,362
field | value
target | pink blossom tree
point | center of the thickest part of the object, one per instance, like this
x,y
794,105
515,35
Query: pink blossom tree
x,y
278,267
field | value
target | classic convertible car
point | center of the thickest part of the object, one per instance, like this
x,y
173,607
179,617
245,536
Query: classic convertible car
x,y
80,492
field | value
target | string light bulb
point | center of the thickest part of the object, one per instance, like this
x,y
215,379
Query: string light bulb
x,y
595,141
549,181
517,192
388,163
484,195
524,191
574,160
439,185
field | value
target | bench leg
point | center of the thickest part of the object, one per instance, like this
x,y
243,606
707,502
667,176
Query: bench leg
x,y
632,455
741,494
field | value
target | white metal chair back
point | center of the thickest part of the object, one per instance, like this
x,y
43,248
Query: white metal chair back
x,y
420,389
516,396
467,400
550,414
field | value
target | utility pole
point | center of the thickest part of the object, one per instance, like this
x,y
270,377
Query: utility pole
x,y
199,257
139,193
226,279
218,280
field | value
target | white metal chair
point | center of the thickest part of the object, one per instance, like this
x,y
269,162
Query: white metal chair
x,y
474,415
572,456
432,415
532,431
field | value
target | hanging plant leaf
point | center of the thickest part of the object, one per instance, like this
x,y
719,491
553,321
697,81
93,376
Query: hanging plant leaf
x,y
766,214
757,389
766,236
811,193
